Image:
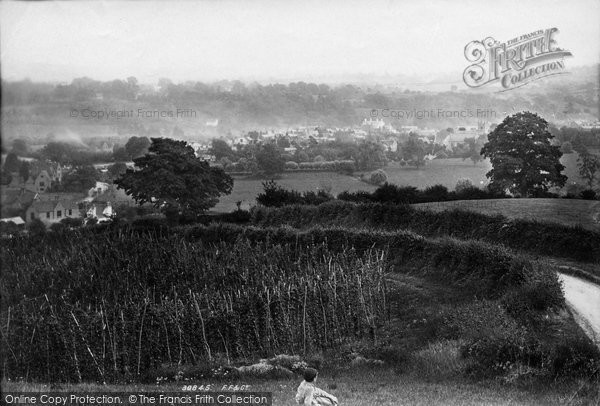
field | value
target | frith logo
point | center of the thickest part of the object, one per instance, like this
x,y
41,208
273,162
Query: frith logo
x,y
514,63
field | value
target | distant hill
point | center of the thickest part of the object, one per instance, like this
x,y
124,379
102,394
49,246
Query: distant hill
x,y
33,110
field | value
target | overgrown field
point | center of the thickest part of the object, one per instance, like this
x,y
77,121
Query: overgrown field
x,y
99,306
115,303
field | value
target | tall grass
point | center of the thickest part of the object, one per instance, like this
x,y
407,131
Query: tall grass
x,y
107,306
481,269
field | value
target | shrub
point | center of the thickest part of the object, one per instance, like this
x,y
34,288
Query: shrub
x,y
36,227
291,166
72,222
525,302
378,177
58,227
471,193
437,193
588,194
150,223
439,360
390,193
346,167
275,195
321,196
356,197
463,184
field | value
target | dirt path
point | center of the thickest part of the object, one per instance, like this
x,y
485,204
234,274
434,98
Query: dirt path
x,y
584,299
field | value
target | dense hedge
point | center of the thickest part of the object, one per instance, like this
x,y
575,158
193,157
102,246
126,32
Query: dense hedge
x,y
527,235
481,269
390,193
277,196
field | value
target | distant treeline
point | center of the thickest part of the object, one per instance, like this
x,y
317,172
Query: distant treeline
x,y
238,105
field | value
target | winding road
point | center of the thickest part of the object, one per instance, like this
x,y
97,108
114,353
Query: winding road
x,y
584,300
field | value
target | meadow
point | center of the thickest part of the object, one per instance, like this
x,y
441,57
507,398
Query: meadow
x,y
444,172
571,212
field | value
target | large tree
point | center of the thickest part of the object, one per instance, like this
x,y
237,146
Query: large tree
x,y
269,160
370,155
472,151
413,151
220,149
11,163
80,180
171,178
137,146
523,159
589,166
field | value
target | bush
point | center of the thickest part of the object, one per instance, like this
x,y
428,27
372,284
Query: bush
x,y
150,223
291,166
588,194
356,197
275,195
346,167
463,184
437,193
390,193
72,222
36,227
9,228
378,177
439,360
472,193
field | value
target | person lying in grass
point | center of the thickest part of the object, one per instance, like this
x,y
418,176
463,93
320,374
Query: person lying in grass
x,y
309,395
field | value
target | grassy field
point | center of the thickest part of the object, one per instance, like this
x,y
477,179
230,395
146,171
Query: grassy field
x,y
371,387
439,171
585,213
246,189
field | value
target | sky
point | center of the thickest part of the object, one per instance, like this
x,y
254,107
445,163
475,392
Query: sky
x,y
274,41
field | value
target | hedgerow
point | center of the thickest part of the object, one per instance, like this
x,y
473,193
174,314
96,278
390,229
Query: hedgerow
x,y
527,235
481,269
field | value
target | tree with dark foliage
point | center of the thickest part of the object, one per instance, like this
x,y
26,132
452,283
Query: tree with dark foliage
x,y
171,178
137,146
269,160
523,159
220,149
82,179
413,151
589,166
